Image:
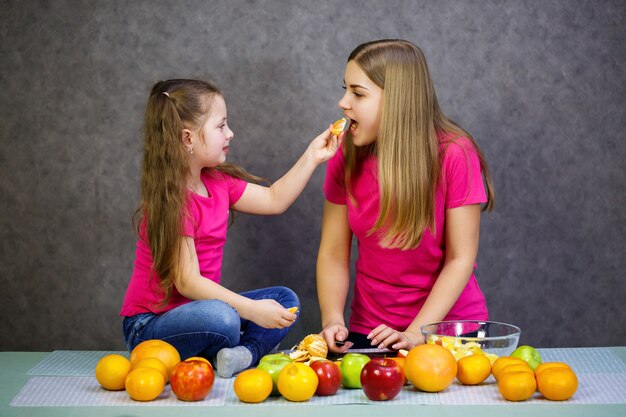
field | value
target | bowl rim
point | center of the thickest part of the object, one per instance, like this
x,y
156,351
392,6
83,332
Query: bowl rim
x,y
517,333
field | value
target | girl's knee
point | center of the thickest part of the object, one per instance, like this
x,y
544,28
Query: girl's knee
x,y
220,317
287,297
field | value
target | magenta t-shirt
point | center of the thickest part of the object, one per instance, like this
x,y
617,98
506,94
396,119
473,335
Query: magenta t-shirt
x,y
207,225
392,285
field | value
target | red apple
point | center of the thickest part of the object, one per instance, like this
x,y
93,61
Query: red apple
x,y
382,379
192,380
329,376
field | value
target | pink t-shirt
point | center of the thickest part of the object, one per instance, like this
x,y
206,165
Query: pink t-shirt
x,y
392,285
207,225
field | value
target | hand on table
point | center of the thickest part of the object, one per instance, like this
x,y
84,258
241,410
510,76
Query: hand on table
x,y
336,332
384,336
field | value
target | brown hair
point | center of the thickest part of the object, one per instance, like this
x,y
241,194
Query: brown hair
x,y
407,147
173,105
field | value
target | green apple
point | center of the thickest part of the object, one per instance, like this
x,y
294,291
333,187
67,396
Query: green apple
x,y
351,366
528,354
275,357
273,364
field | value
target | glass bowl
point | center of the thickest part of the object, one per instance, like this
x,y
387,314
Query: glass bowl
x,y
465,337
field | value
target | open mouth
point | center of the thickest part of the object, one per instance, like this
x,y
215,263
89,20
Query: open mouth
x,y
353,125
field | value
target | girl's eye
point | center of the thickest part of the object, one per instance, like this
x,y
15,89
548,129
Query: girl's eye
x,y
357,94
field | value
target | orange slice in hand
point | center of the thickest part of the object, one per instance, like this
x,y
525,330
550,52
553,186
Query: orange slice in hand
x,y
339,126
293,310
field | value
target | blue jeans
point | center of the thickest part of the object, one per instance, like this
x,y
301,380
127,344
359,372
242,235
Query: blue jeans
x,y
202,328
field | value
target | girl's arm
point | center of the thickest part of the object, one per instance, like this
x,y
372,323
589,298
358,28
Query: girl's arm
x,y
333,273
462,233
275,199
266,313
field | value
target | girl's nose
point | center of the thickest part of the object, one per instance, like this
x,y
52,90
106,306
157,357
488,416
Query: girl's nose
x,y
343,103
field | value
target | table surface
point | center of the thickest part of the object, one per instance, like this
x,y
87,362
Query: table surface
x,y
15,365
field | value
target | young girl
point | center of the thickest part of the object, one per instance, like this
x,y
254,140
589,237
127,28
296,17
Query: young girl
x,y
187,191
408,185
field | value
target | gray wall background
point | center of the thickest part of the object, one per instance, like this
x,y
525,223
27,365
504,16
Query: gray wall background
x,y
540,84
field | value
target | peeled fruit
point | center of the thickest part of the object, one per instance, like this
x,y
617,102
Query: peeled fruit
x,y
293,310
339,126
312,346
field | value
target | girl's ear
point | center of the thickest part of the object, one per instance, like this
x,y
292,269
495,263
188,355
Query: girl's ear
x,y
187,139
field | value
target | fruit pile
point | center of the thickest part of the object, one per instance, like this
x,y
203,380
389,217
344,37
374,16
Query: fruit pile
x,y
152,364
306,372
429,368
520,375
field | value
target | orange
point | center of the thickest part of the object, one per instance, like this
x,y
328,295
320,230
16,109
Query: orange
x,y
338,126
515,367
297,382
399,360
144,384
557,384
154,363
430,368
550,365
111,372
156,349
504,361
473,369
517,386
293,310
253,385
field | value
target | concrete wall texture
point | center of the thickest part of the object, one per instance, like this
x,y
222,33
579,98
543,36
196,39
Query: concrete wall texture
x,y
540,84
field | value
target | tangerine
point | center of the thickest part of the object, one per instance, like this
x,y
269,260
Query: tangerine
x,y
144,384
557,383
111,372
515,367
549,365
473,369
430,368
154,363
155,348
503,361
339,126
253,385
399,360
517,386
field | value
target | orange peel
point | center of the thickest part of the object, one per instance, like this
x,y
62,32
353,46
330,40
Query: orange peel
x,y
312,346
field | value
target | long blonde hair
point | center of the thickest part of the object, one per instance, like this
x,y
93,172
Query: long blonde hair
x,y
407,147
173,105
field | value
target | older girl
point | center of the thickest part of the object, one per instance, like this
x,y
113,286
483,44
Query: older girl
x,y
408,185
